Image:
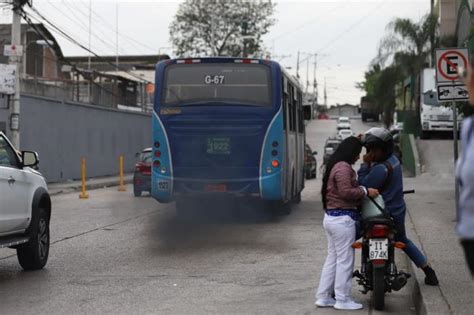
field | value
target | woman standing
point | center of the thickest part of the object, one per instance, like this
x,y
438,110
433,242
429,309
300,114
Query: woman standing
x,y
341,195
465,179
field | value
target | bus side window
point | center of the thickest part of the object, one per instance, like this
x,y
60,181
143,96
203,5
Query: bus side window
x,y
294,109
284,103
300,114
290,106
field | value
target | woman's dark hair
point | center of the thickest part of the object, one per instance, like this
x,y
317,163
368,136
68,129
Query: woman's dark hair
x,y
347,151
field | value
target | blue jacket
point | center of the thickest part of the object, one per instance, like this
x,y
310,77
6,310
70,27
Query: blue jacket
x,y
374,176
465,178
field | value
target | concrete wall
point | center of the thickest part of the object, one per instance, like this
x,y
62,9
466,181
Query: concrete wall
x,y
63,133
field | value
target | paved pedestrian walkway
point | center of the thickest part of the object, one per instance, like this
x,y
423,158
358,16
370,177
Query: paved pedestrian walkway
x,y
432,217
91,183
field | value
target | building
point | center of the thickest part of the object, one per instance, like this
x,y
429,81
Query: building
x,y
128,83
93,80
456,18
41,52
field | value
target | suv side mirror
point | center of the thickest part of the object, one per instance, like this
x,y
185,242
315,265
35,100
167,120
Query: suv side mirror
x,y
30,158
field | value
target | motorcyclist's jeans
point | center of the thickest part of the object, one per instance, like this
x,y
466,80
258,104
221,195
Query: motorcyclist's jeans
x,y
411,250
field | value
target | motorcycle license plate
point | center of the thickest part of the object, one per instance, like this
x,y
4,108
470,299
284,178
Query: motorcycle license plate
x,y
378,248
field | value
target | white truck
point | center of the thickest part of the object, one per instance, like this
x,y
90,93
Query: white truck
x,y
434,117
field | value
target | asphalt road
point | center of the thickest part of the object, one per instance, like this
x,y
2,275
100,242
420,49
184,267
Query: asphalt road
x,y
114,253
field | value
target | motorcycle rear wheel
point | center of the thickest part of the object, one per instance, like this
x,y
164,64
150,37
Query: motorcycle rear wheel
x,y
378,292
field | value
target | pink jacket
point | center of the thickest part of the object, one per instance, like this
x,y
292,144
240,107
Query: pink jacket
x,y
343,191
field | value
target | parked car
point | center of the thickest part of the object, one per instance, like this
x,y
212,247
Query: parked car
x,y
343,123
25,206
329,147
345,133
310,163
142,174
323,116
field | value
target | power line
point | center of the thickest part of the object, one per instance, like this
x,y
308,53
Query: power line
x,y
100,20
84,74
351,28
311,21
81,24
74,41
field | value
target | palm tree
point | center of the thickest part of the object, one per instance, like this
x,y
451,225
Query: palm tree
x,y
409,45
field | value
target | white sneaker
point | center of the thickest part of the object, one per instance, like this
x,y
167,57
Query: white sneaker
x,y
328,302
348,305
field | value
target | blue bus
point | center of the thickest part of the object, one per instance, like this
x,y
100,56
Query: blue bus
x,y
227,126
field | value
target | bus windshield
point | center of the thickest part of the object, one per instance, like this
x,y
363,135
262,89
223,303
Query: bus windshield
x,y
187,84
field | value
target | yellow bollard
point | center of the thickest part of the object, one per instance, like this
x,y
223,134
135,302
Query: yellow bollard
x,y
122,182
84,194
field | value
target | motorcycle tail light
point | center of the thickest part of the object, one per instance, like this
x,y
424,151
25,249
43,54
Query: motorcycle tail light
x,y
379,230
357,245
400,245
378,262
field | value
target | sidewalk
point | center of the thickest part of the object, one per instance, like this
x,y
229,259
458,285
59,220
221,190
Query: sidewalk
x,y
91,183
430,224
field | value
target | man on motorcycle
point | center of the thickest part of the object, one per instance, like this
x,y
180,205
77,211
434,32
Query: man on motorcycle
x,y
382,170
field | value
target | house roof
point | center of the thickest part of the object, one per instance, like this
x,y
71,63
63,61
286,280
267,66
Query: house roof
x,y
126,62
41,30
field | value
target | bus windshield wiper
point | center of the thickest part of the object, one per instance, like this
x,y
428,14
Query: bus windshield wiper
x,y
174,94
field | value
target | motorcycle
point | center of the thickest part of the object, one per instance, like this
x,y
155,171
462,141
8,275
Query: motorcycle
x,y
378,272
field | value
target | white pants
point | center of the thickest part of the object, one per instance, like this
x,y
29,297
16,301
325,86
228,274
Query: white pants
x,y
336,275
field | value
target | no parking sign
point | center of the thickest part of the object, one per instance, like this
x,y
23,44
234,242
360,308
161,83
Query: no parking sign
x,y
447,63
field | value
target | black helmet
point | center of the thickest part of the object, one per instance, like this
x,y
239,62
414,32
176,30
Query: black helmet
x,y
378,138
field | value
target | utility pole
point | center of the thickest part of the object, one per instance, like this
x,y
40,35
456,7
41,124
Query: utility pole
x,y
89,85
298,65
116,37
325,94
315,83
432,37
307,76
16,60
90,34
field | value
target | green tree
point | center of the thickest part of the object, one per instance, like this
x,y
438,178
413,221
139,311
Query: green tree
x,y
379,85
408,44
221,28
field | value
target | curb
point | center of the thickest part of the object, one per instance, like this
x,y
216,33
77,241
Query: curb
x,y
90,186
417,297
416,155
427,299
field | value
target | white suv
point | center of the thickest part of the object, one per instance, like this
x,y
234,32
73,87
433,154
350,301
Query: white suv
x,y
25,206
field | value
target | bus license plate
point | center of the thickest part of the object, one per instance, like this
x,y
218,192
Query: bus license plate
x,y
218,145
215,188
378,248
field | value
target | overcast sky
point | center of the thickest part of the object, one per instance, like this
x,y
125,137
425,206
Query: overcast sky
x,y
345,33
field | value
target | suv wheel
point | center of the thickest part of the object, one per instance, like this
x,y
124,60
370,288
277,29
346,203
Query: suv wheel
x,y
34,254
